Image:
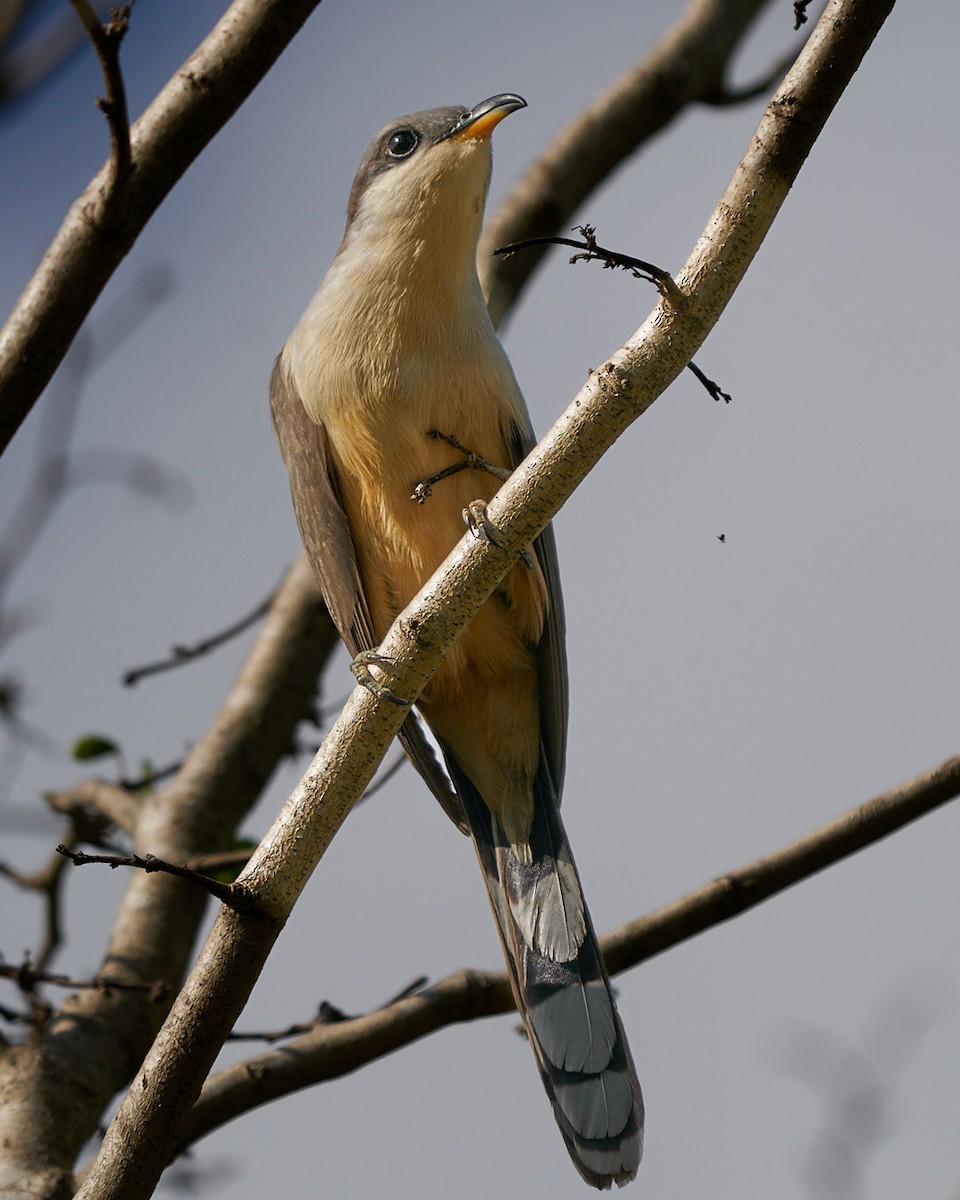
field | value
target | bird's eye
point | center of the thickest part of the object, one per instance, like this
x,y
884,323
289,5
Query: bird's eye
x,y
403,143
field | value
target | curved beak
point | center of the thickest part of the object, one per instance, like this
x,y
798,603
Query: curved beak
x,y
480,121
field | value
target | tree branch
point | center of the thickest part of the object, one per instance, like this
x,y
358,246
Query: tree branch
x,y
90,1047
328,1051
144,1133
114,805
94,238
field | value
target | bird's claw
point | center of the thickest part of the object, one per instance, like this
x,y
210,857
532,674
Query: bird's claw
x,y
360,670
476,519
422,492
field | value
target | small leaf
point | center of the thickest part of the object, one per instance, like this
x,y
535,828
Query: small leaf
x,y
93,745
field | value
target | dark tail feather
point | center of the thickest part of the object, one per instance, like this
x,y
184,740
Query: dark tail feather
x,y
561,988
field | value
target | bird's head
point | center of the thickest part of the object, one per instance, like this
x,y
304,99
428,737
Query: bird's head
x,y
423,181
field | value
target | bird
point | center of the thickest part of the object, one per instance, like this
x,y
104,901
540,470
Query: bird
x,y
396,346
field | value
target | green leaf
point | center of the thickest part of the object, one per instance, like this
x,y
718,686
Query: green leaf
x,y
93,745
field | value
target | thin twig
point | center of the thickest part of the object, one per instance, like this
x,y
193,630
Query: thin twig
x,y
184,654
26,977
716,392
590,251
639,268
327,1014
384,778
150,777
724,96
106,41
227,893
227,860
46,882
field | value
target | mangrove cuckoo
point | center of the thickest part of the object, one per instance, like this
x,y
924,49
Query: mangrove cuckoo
x,y
398,343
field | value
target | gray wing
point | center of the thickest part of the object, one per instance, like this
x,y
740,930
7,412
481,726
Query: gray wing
x,y
551,650
329,544
320,516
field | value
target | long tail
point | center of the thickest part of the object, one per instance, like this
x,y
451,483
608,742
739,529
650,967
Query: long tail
x,y
561,988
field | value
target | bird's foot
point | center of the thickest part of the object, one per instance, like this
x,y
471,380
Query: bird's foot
x,y
476,520
360,670
471,461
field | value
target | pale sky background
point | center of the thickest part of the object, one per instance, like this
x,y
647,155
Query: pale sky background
x,y
726,698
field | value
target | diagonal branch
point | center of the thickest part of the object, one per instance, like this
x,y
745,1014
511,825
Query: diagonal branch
x,y
93,240
145,1131
328,1051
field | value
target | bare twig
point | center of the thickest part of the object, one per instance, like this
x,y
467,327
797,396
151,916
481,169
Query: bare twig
x,y
150,777
384,777
183,654
227,893
714,389
800,13
591,251
276,1035
106,41
331,1051
725,95
47,882
221,860
26,976
228,860
327,1014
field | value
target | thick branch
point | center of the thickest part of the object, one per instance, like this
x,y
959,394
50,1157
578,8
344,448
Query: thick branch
x,y
328,1051
184,117
90,1049
144,1133
95,796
